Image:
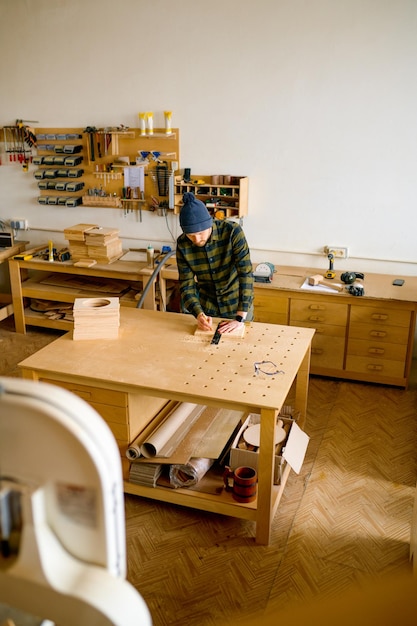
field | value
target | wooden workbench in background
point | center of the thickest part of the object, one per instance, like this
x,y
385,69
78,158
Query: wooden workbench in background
x,y
27,280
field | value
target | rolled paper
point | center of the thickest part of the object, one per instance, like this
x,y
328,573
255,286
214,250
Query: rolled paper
x,y
164,440
189,474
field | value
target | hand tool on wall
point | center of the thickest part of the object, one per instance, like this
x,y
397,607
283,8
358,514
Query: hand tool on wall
x,y
162,177
91,130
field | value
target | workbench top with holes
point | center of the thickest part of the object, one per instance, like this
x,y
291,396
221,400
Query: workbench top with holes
x,y
39,279
365,338
158,355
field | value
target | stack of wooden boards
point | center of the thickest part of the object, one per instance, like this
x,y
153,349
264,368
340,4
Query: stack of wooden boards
x,y
89,244
96,318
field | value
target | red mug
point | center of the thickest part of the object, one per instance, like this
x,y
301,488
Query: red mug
x,y
245,480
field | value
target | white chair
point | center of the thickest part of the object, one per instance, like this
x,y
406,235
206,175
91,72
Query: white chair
x,y
62,523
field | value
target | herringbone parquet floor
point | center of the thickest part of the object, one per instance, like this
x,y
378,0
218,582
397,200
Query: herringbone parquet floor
x,y
344,520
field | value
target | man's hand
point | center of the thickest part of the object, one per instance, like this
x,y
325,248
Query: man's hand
x,y
204,322
229,326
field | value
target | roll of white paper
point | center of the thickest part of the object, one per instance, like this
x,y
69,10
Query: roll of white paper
x,y
164,440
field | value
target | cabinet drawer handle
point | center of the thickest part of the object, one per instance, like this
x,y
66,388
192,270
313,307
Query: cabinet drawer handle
x,y
317,307
378,333
315,318
85,395
376,351
379,316
316,351
375,368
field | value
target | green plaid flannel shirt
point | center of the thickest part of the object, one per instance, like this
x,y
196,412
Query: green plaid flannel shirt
x,y
217,278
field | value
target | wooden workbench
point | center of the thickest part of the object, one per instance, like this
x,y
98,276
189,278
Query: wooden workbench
x,y
158,355
27,281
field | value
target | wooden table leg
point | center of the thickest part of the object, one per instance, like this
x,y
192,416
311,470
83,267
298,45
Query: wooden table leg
x,y
17,296
266,476
301,387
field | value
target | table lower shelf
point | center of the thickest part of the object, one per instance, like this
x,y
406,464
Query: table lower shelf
x,y
221,503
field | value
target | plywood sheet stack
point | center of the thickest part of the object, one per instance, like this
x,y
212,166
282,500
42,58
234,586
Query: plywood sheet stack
x,y
75,236
103,244
96,318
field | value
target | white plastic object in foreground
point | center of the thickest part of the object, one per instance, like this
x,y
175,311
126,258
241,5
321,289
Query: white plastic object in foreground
x,y
60,459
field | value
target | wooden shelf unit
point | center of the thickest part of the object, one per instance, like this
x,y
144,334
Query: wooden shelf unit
x,y
368,338
230,200
26,277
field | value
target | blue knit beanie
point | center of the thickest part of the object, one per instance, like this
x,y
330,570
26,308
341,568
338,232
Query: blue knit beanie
x,y
194,216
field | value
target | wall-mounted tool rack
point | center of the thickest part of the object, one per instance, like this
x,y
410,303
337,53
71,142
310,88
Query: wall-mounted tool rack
x,y
223,201
99,158
60,166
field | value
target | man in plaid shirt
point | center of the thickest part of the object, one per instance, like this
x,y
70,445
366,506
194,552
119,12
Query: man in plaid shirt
x,y
215,270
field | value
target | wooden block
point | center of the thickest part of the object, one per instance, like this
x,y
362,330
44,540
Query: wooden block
x,y
85,263
96,318
78,231
101,235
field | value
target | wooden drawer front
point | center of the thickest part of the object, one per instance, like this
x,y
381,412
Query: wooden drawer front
x,y
377,350
93,394
327,352
330,330
379,333
120,433
375,367
270,307
379,316
111,414
318,312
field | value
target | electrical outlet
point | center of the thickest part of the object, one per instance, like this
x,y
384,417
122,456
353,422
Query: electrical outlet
x,y
19,224
337,251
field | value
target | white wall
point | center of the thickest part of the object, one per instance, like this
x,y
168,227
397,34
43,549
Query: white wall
x,y
314,100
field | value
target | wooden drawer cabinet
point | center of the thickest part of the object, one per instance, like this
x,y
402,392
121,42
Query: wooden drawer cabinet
x,y
369,338
378,340
329,320
126,414
270,307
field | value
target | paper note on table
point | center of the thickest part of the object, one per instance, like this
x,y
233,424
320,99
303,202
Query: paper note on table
x,y
319,287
